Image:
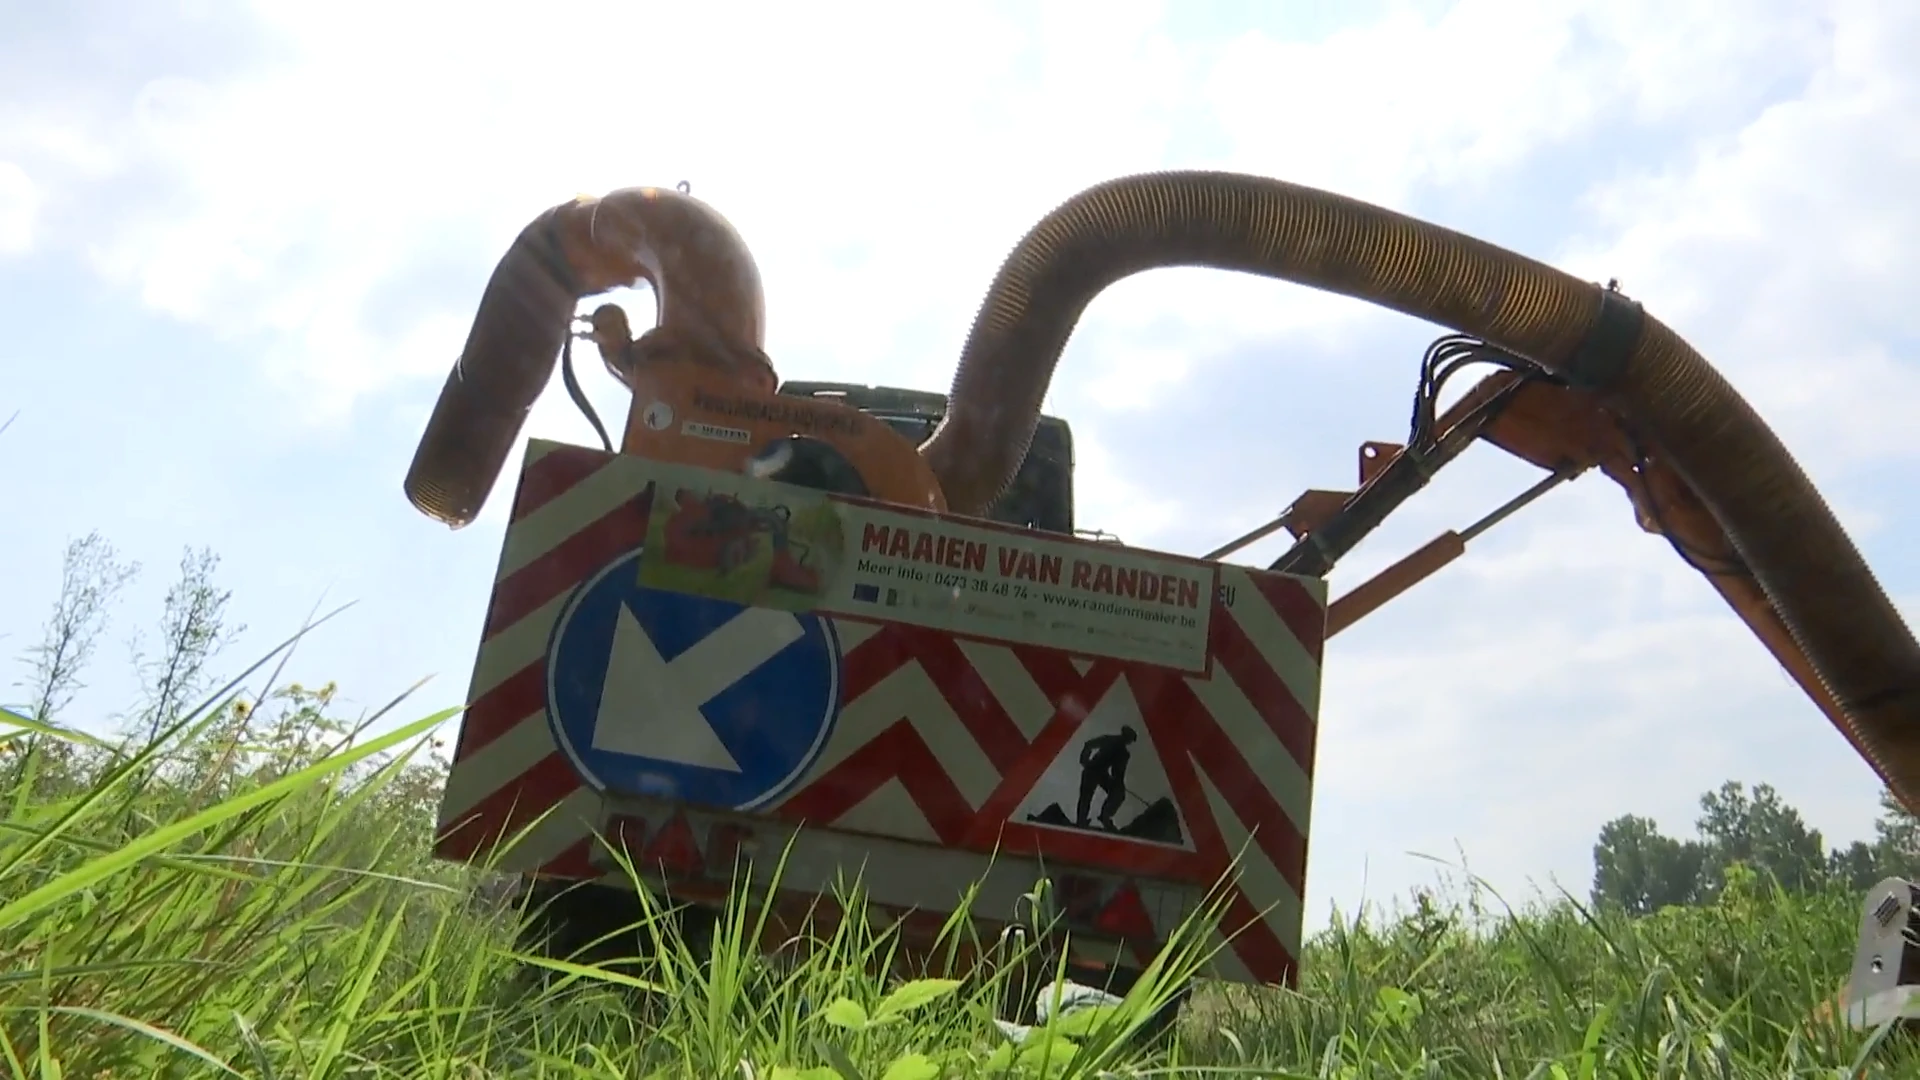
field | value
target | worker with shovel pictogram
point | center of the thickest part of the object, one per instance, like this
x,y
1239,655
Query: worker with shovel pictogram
x,y
1103,767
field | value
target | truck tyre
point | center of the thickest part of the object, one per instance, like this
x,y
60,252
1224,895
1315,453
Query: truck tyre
x,y
583,922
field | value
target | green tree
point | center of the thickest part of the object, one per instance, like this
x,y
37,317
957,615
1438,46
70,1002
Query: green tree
x,y
1638,870
1896,839
1858,865
1761,831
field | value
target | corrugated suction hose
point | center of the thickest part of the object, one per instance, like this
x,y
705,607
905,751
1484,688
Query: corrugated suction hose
x,y
524,317
1818,582
705,285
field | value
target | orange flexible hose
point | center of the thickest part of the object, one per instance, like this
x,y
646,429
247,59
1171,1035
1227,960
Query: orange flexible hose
x,y
1863,652
705,283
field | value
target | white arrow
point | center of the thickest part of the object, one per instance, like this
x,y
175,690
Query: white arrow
x,y
651,708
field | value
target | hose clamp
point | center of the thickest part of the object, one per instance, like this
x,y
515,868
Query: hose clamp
x,y
1599,362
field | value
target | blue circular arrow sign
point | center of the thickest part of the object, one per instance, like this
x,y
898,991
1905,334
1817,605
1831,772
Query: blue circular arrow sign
x,y
665,694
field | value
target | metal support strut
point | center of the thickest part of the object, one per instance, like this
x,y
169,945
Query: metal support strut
x,y
1368,596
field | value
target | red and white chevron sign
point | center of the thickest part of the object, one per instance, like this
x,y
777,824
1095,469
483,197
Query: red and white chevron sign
x,y
936,698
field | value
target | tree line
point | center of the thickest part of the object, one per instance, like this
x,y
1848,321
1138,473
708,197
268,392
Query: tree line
x,y
1639,870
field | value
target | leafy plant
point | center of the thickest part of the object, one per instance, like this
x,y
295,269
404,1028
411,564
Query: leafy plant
x,y
250,893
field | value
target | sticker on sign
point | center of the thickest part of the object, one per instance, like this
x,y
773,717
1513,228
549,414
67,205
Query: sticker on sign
x,y
732,538
716,432
1087,598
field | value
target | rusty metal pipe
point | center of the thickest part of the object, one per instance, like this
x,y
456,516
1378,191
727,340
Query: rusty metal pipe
x,y
1370,595
1814,577
1244,539
708,302
1430,558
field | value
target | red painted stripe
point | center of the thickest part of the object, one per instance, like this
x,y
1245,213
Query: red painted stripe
x,y
673,850
575,863
502,708
566,565
1237,656
553,476
1096,852
1125,916
1257,945
866,664
1304,615
1190,730
1255,942
898,753
1196,813
972,700
1276,834
976,704
501,816
1053,672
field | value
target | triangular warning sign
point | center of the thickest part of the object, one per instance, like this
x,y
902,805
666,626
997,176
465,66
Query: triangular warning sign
x,y
1125,916
1108,780
674,848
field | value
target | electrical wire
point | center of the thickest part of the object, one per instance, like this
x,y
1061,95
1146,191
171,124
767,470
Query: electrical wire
x,y
1710,565
552,255
579,396
1445,358
1450,354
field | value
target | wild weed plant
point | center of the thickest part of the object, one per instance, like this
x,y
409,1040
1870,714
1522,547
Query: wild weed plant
x,y
250,893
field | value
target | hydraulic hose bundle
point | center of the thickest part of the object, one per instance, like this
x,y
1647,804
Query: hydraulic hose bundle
x,y
1807,570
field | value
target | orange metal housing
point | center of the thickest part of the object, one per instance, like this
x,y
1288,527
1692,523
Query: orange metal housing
x,y
692,414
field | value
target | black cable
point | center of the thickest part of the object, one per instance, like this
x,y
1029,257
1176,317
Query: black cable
x,y
551,253
1446,357
1443,359
1451,353
578,395
1698,560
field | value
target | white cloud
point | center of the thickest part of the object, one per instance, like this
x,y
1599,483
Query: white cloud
x,y
1785,247
1571,668
292,197
19,207
297,194
1780,248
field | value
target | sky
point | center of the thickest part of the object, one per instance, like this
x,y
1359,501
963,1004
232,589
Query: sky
x,y
240,244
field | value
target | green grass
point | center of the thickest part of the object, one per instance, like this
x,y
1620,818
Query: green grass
x,y
246,899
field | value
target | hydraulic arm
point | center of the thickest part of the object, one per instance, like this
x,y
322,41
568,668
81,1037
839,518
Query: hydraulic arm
x,y
1567,432
1609,386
